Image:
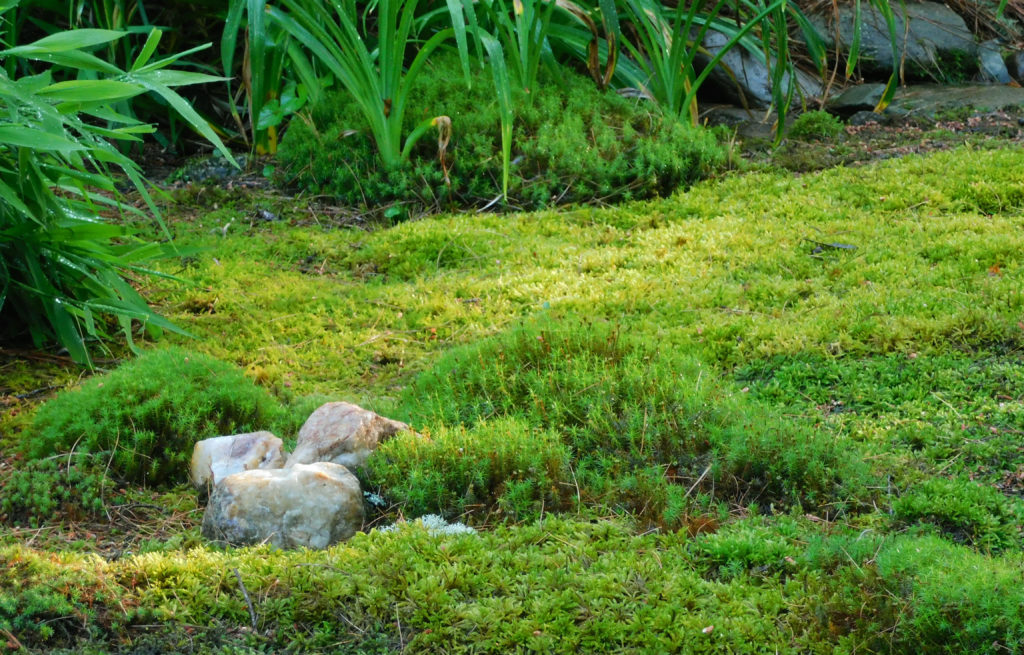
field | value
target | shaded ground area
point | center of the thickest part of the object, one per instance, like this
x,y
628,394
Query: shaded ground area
x,y
921,119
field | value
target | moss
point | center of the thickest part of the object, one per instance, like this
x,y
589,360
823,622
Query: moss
x,y
905,347
572,144
145,417
967,511
723,270
562,585
816,125
949,67
955,412
623,409
504,466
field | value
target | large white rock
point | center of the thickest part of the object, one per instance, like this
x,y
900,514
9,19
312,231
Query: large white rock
x,y
342,433
215,459
305,506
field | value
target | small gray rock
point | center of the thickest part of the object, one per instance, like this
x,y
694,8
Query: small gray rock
x,y
862,97
993,68
1016,64
305,506
864,118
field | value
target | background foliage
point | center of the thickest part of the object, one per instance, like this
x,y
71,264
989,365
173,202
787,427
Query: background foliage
x,y
63,264
574,144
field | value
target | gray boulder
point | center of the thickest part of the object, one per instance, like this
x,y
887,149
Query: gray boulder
x,y
935,39
860,97
751,80
305,506
993,67
215,459
1015,63
342,433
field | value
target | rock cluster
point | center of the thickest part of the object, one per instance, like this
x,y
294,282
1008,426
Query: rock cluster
x,y
933,44
931,38
215,459
309,500
342,433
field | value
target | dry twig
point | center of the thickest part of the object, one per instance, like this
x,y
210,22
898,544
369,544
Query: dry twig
x,y
248,601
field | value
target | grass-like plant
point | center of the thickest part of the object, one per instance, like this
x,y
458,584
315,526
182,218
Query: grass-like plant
x,y
271,61
522,28
62,263
573,143
582,38
372,69
668,42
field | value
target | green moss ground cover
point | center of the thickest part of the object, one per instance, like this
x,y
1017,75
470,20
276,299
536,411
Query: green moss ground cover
x,y
775,413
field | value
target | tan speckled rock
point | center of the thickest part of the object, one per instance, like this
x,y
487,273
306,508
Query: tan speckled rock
x,y
342,433
305,506
215,459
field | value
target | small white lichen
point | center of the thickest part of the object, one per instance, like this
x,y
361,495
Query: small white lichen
x,y
435,525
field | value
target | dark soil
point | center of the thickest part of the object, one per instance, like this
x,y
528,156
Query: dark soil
x,y
921,120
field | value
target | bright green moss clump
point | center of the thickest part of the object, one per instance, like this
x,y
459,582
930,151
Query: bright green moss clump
x,y
816,125
500,464
572,144
966,511
143,418
72,485
637,421
761,585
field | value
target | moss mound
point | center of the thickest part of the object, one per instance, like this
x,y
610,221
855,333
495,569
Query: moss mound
x,y
142,419
502,464
572,144
644,428
966,511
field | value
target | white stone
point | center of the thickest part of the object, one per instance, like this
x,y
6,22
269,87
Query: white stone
x,y
215,459
342,433
305,506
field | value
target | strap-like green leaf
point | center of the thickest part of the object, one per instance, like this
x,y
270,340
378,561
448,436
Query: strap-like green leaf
x,y
851,59
503,89
25,137
176,77
64,41
75,59
91,91
190,115
148,49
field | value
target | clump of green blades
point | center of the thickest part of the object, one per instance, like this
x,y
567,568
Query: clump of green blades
x,y
376,51
63,267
